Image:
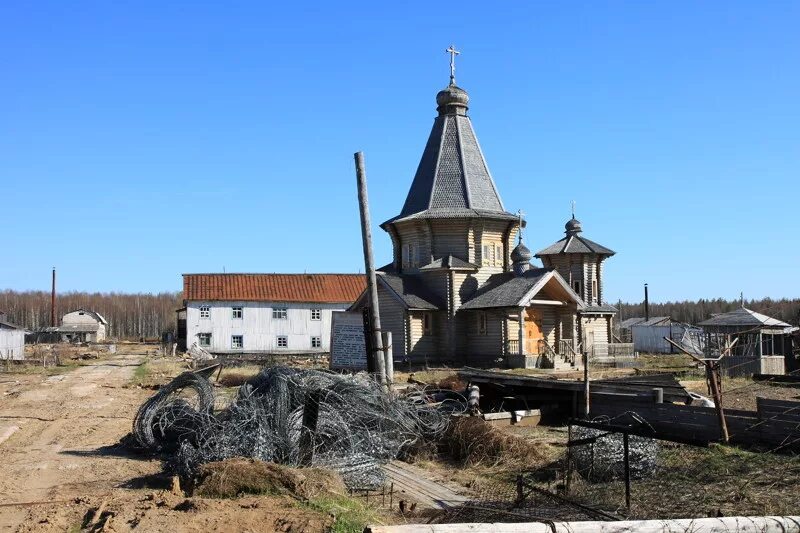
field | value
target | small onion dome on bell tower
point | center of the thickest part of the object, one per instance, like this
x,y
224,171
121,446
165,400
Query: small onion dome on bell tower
x,y
573,226
452,100
521,258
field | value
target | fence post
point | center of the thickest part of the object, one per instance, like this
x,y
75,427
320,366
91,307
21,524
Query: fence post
x,y
569,460
627,471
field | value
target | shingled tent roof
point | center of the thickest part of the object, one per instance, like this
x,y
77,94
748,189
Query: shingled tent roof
x,y
452,179
573,243
743,317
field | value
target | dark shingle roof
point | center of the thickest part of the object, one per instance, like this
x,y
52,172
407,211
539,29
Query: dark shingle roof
x,y
743,317
505,290
411,291
575,244
449,262
452,179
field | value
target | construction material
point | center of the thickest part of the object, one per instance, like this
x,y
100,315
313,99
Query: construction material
x,y
741,524
357,429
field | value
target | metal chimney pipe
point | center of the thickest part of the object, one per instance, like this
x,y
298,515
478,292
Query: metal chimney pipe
x,y
646,304
53,301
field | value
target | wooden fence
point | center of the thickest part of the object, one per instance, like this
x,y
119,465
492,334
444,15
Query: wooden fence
x,y
776,423
744,366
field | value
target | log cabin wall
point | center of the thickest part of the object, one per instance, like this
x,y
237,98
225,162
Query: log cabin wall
x,y
393,318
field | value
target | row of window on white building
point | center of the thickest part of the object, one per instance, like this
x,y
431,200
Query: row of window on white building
x,y
237,341
279,313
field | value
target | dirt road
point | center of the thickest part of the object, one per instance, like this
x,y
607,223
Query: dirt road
x,y
57,428
59,462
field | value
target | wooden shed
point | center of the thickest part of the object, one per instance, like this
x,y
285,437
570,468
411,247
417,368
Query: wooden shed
x,y
12,340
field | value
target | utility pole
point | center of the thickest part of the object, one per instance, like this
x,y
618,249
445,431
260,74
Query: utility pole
x,y
53,300
646,304
369,265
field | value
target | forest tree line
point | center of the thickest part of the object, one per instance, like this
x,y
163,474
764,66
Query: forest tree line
x,y
692,312
129,316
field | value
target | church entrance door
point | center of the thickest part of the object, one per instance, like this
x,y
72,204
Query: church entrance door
x,y
533,330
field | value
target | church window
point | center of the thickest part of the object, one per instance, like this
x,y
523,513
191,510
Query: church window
x,y
576,286
410,255
427,323
594,289
492,254
482,323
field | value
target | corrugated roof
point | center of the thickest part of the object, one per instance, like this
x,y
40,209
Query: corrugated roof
x,y
743,317
641,321
317,288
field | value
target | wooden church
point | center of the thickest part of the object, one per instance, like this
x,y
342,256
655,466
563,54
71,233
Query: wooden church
x,y
461,289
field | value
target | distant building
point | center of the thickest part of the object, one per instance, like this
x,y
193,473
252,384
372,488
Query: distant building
x,y
264,313
12,340
648,335
83,325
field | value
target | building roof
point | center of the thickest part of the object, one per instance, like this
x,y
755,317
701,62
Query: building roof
x,y
77,328
8,325
95,314
316,288
513,290
410,291
641,321
599,309
743,317
573,243
449,262
452,179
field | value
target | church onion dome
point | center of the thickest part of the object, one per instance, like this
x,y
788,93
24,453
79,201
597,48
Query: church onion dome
x,y
452,100
521,257
521,253
573,226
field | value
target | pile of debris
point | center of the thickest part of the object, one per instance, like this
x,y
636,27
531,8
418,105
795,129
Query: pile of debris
x,y
293,417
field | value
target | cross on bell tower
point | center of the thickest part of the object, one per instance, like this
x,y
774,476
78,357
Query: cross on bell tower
x,y
453,53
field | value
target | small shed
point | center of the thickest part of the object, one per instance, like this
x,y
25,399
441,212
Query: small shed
x,y
83,325
12,340
626,326
758,338
649,336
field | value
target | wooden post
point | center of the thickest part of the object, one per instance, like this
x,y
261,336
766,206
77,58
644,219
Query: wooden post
x,y
388,358
310,417
586,385
568,475
522,335
712,368
369,266
626,449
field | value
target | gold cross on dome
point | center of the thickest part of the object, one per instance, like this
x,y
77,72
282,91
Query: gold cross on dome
x,y
453,53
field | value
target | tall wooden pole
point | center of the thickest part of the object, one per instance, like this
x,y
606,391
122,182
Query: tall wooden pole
x,y
586,405
53,300
369,266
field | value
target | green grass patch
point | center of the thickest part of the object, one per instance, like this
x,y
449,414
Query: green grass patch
x,y
350,514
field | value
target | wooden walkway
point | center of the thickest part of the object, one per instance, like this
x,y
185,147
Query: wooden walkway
x,y
416,484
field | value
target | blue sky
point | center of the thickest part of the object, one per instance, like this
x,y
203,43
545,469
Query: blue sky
x,y
142,140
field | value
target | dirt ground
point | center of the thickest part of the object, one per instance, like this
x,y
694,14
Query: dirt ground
x,y
59,461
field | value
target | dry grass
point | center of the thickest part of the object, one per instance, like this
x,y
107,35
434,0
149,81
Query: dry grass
x,y
157,371
471,441
235,477
693,482
236,376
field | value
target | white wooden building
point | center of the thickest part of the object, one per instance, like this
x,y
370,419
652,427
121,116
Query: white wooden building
x,y
83,325
12,340
265,313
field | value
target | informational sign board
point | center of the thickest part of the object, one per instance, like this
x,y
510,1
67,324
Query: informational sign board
x,y
348,349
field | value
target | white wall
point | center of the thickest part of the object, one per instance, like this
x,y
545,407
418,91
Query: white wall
x,y
259,329
12,343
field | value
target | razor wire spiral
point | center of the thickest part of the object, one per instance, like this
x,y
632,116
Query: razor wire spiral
x,y
359,426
